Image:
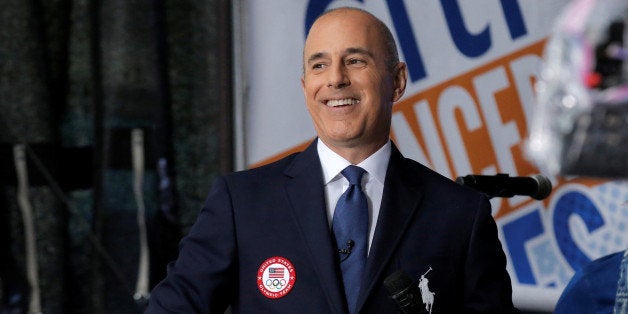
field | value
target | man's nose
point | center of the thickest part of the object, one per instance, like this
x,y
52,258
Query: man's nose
x,y
338,77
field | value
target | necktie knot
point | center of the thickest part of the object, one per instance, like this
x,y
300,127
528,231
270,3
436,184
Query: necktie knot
x,y
353,174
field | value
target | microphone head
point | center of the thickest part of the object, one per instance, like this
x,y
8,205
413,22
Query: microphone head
x,y
544,187
397,282
404,292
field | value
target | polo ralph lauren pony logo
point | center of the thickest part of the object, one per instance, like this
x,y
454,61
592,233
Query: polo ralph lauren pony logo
x,y
426,294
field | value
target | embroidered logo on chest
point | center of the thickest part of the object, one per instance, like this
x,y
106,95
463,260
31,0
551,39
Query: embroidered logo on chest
x,y
276,277
426,294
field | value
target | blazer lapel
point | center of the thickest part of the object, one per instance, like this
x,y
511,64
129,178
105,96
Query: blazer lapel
x,y
304,188
400,200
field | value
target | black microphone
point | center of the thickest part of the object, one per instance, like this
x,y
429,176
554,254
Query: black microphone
x,y
350,244
404,292
346,252
501,185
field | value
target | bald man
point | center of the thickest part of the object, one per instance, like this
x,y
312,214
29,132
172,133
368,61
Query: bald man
x,y
319,231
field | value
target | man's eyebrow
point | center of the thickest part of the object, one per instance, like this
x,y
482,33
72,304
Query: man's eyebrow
x,y
315,56
351,50
359,50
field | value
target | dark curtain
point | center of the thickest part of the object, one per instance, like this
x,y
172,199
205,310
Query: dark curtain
x,y
78,80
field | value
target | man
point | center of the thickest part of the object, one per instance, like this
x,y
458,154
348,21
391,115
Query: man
x,y
271,239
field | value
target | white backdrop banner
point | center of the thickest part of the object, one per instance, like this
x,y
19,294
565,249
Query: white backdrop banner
x,y
472,68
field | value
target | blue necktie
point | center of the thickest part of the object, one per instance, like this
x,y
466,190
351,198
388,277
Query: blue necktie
x,y
350,227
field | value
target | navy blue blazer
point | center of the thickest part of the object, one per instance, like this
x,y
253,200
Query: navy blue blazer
x,y
428,225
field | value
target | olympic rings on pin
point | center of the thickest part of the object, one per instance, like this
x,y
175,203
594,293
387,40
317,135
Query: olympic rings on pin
x,y
275,283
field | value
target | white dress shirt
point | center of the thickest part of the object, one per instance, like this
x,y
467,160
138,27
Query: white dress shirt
x,y
372,182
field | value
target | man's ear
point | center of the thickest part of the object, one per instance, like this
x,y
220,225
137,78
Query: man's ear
x,y
400,78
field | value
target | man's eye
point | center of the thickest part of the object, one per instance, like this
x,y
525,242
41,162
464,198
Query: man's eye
x,y
356,62
319,65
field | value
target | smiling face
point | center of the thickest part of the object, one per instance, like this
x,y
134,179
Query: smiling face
x,y
348,83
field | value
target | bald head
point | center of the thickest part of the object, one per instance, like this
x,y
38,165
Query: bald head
x,y
372,23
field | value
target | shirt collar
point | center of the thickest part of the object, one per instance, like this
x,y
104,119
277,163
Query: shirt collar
x,y
333,164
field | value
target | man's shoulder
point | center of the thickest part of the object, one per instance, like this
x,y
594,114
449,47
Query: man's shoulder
x,y
424,173
435,185
267,170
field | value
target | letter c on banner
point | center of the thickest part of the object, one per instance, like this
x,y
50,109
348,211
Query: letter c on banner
x,y
574,203
471,45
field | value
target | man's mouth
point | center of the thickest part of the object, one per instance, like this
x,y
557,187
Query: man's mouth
x,y
342,102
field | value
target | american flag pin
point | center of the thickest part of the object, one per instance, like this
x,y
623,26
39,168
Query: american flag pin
x,y
276,277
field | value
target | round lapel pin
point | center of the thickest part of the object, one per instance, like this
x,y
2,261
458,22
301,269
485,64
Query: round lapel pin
x,y
276,277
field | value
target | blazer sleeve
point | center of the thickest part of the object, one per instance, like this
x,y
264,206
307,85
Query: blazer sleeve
x,y
487,283
202,279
